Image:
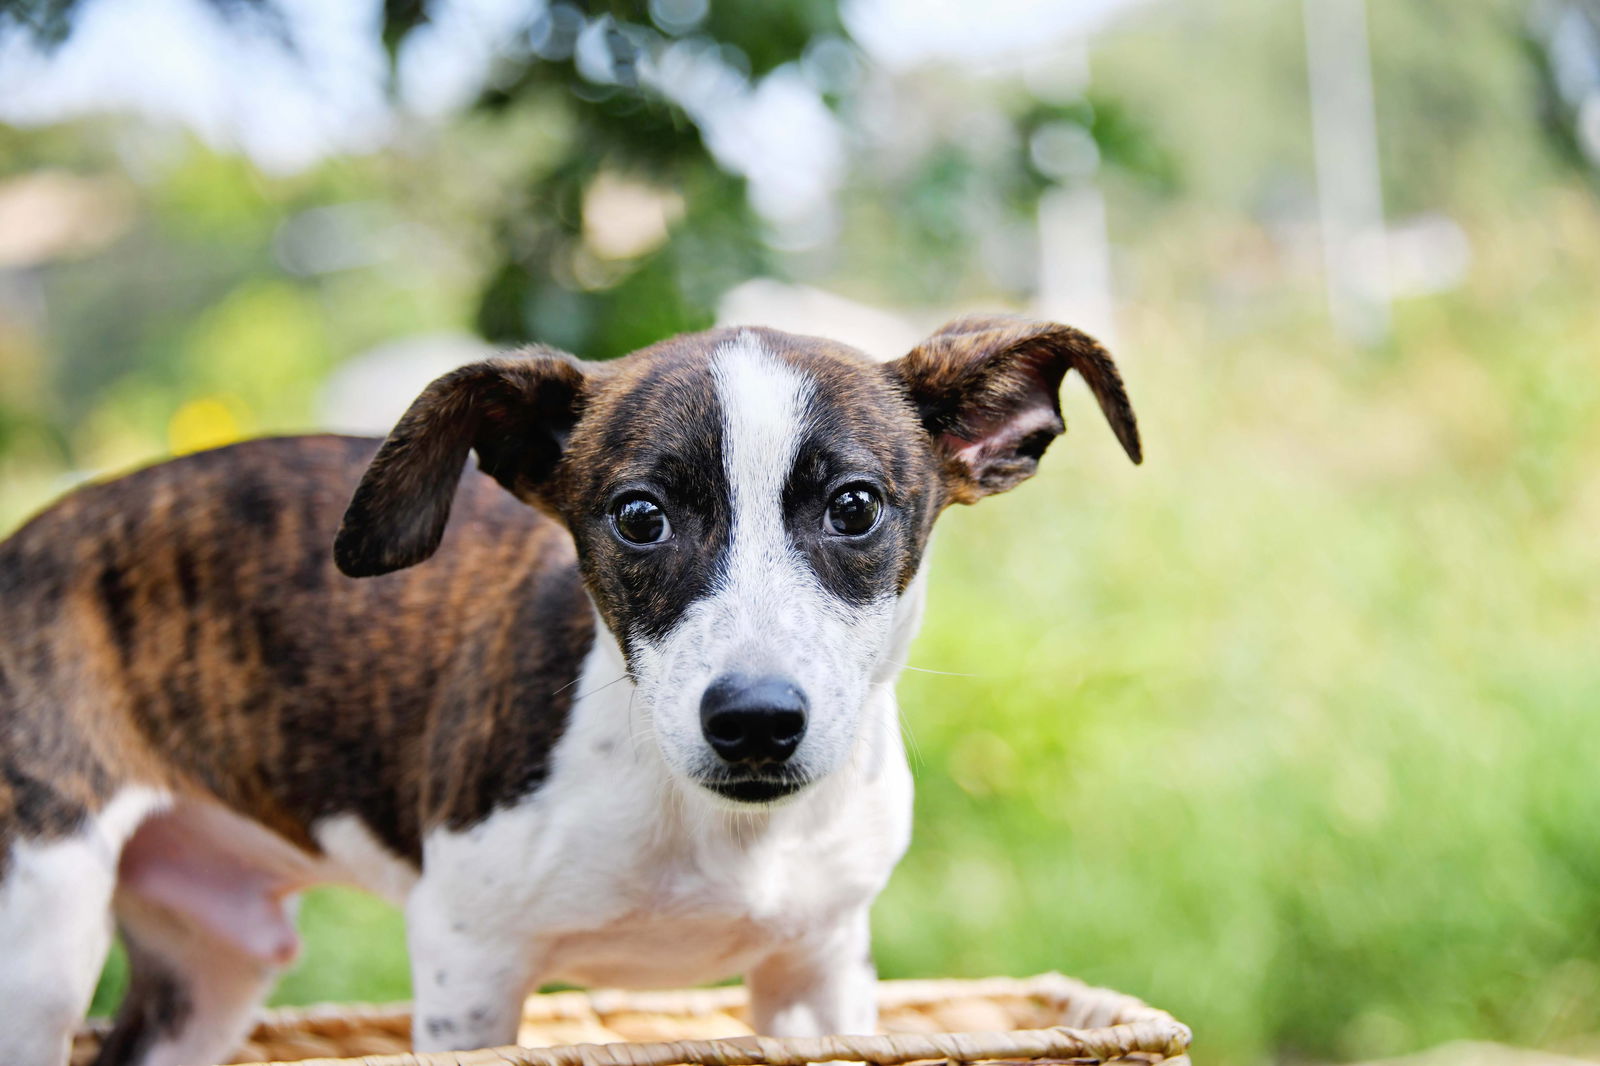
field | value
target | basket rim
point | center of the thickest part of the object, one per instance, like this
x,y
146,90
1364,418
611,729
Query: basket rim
x,y
1135,1027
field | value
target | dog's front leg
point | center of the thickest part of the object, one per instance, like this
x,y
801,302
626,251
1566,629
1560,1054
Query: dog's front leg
x,y
470,970
817,986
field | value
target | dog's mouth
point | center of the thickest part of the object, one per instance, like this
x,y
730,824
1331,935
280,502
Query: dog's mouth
x,y
755,790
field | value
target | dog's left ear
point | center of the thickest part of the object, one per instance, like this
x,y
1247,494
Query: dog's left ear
x,y
515,412
987,388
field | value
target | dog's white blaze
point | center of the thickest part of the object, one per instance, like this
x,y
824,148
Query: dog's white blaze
x,y
763,403
768,613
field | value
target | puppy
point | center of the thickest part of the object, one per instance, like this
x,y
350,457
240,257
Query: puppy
x,y
619,713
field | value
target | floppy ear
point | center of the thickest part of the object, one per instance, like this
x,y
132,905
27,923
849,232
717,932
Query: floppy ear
x,y
516,412
987,388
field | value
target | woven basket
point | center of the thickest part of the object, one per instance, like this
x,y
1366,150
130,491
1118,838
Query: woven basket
x,y
1049,1019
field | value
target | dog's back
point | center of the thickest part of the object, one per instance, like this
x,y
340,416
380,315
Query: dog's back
x,y
185,625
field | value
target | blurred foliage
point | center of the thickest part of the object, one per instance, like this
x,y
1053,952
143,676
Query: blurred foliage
x,y
621,124
50,22
505,193
1567,82
617,121
1289,731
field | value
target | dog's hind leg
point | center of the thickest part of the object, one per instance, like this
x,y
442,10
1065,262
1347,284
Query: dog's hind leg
x,y
55,928
191,995
208,931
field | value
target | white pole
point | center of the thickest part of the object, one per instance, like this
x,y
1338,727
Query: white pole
x,y
1074,270
1349,191
1075,261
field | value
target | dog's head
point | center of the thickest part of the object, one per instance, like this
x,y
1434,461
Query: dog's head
x,y
749,509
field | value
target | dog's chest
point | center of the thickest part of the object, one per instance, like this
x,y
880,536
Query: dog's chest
x,y
671,920
652,902
618,886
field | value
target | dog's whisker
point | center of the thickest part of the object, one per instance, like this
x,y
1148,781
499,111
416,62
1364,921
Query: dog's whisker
x,y
568,685
939,673
635,731
913,749
600,688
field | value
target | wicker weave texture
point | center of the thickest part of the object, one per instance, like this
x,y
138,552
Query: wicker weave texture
x,y
1049,1018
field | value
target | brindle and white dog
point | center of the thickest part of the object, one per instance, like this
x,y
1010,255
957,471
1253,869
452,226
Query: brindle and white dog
x,y
641,732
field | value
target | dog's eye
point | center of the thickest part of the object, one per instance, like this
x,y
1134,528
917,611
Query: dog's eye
x,y
640,520
853,511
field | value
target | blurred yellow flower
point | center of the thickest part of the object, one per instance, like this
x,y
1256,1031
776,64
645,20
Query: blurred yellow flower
x,y
204,422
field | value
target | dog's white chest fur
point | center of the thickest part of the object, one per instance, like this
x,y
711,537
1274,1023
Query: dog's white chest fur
x,y
618,876
687,911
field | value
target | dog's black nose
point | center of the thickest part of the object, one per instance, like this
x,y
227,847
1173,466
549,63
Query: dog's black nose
x,y
753,720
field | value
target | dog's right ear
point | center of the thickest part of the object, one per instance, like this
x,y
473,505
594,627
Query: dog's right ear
x,y
515,412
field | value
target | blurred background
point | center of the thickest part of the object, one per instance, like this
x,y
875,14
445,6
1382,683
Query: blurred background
x,y
1292,731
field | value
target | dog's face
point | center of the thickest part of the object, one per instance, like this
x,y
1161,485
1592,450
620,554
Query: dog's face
x,y
749,508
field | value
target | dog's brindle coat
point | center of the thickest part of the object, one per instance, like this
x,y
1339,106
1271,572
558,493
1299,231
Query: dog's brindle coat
x,y
200,714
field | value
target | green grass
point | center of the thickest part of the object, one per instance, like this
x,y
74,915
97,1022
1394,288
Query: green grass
x,y
1293,730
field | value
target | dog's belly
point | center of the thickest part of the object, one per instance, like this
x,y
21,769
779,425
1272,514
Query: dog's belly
x,y
654,952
